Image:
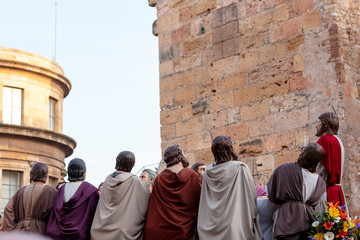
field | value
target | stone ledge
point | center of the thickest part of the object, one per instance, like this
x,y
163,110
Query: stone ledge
x,y
65,142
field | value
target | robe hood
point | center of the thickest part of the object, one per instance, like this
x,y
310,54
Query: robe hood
x,y
86,190
114,183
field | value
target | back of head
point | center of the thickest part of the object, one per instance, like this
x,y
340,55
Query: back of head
x,y
223,150
125,161
76,170
39,172
330,123
311,156
152,173
174,155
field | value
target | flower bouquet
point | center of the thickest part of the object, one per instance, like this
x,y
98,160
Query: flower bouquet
x,y
334,223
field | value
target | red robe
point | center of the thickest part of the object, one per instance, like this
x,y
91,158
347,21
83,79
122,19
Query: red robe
x,y
332,162
173,206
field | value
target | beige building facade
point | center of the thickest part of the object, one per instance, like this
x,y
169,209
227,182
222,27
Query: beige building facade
x,y
261,72
32,89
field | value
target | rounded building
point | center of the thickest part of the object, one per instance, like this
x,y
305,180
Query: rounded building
x,y
32,89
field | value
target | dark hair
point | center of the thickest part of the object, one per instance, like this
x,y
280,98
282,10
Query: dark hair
x,y
311,156
59,185
195,166
39,172
174,155
125,161
329,122
151,173
76,170
100,185
223,150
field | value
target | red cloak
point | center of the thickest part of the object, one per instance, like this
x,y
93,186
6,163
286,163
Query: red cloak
x,y
173,206
332,162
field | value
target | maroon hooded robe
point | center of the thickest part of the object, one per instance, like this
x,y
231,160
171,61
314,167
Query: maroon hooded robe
x,y
173,206
73,219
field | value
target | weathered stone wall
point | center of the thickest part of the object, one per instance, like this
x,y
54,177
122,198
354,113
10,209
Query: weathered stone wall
x,y
260,72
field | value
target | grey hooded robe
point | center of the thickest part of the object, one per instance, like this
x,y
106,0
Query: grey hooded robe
x,y
228,208
122,208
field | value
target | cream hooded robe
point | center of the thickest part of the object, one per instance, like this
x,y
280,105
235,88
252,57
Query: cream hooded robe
x,y
228,208
122,208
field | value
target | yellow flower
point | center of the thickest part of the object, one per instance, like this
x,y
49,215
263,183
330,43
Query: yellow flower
x,y
352,225
334,212
346,226
319,236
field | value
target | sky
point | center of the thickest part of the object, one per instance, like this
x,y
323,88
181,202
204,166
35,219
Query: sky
x,y
108,52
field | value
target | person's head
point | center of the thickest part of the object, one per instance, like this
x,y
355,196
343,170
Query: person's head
x,y
59,185
148,176
100,187
311,156
223,150
328,124
125,161
76,170
174,155
199,168
39,172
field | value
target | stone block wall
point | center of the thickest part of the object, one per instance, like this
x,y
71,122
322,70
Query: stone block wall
x,y
260,72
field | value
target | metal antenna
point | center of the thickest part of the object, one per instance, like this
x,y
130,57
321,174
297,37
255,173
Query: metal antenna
x,y
55,29
145,166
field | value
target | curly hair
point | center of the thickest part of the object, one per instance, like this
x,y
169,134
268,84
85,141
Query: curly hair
x,y
174,155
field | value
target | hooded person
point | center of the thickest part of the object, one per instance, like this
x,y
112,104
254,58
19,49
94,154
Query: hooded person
x,y
174,201
123,204
332,164
297,188
30,207
228,207
74,205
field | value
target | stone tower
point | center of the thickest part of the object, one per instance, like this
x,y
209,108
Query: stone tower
x,y
260,71
32,89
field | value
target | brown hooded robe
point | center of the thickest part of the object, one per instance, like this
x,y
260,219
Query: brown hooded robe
x,y
285,189
29,209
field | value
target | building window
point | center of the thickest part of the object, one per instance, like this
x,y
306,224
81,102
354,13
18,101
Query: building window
x,y
12,105
52,113
11,181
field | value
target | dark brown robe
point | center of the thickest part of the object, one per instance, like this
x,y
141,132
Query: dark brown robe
x,y
285,189
29,209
